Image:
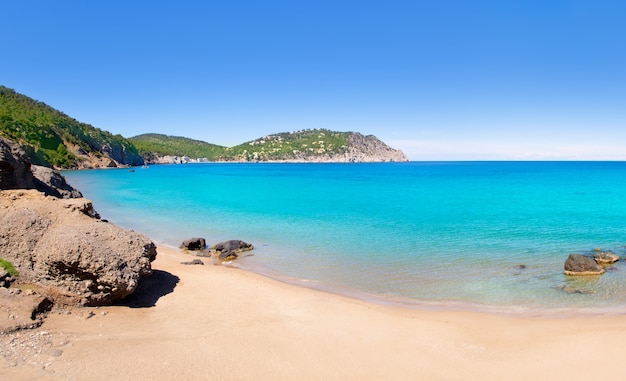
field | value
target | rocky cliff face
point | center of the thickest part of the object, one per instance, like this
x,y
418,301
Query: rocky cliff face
x,y
370,149
16,172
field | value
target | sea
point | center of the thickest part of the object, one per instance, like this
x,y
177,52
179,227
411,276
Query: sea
x,y
487,236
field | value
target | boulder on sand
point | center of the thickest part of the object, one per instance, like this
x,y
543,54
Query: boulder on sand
x,y
73,256
578,264
194,244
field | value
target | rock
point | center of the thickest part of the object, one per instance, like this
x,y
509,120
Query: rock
x,y
21,311
577,264
227,256
232,245
5,278
75,258
194,244
16,172
229,250
571,290
605,256
194,262
52,183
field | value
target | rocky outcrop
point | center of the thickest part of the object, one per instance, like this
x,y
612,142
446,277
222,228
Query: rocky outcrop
x,y
16,172
229,250
58,245
52,183
578,264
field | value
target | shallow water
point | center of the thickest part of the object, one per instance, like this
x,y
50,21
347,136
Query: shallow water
x,y
429,233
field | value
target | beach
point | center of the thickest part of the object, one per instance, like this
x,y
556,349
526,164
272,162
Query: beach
x,y
222,323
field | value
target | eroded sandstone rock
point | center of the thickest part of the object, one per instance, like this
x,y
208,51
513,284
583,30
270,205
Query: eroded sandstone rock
x,y
75,257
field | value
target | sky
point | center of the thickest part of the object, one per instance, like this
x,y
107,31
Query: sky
x,y
441,80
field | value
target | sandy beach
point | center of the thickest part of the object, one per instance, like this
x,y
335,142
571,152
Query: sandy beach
x,y
219,323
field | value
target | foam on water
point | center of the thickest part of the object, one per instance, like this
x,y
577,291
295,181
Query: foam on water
x,y
451,233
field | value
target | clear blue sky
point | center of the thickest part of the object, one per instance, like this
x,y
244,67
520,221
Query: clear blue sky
x,y
442,80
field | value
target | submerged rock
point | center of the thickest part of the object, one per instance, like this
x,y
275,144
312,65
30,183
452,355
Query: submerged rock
x,y
605,256
578,264
571,290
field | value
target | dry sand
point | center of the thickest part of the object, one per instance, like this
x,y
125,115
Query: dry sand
x,y
222,323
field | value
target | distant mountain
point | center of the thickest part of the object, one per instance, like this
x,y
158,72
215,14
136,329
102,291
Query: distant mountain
x,y
54,139
317,145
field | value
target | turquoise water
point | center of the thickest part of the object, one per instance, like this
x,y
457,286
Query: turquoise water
x,y
430,234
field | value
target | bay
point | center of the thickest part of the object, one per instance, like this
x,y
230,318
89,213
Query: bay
x,y
484,235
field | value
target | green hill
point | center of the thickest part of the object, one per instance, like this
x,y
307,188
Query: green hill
x,y
292,146
164,145
54,139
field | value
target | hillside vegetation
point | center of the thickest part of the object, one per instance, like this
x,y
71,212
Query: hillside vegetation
x,y
54,139
318,145
150,145
291,146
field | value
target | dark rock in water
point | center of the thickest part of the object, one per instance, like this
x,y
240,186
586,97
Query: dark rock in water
x,y
232,245
519,269
229,250
605,256
194,262
578,264
194,244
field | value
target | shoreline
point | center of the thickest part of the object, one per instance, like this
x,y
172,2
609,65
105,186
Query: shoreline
x,y
225,323
412,303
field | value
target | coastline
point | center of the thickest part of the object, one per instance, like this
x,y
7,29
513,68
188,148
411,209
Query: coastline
x,y
226,323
